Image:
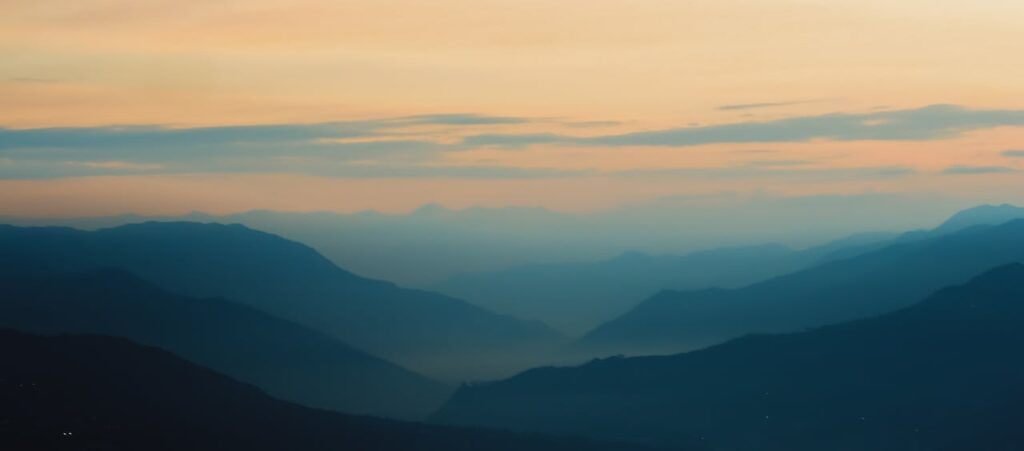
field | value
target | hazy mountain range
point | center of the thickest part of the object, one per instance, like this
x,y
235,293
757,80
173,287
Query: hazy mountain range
x,y
285,359
869,283
433,243
885,371
421,330
86,392
941,375
576,297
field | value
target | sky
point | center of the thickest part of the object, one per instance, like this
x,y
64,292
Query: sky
x,y
165,107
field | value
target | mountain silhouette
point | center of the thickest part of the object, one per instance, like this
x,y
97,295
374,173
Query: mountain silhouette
x,y
576,297
286,359
428,332
88,392
865,285
980,215
943,374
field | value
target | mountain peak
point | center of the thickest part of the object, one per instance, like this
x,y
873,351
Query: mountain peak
x,y
981,215
430,209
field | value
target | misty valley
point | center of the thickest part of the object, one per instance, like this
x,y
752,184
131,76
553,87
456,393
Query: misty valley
x,y
209,333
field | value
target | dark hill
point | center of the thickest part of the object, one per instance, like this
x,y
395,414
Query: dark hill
x,y
84,392
858,287
941,375
284,358
422,330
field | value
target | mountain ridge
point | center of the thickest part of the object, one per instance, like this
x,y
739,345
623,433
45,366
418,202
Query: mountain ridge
x,y
888,278
903,380
92,392
282,357
425,331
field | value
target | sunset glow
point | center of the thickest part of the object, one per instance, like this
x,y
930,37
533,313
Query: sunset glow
x,y
499,102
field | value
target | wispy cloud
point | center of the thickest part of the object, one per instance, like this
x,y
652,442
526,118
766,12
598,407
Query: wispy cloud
x,y
754,106
1013,153
159,136
40,80
789,173
932,122
510,140
392,147
591,124
462,119
969,170
778,163
303,148
117,165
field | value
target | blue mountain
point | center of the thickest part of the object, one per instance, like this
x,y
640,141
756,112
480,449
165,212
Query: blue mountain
x,y
943,374
428,332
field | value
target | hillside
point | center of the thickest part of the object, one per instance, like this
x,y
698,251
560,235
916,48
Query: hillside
x,y
941,375
865,285
84,392
285,359
425,331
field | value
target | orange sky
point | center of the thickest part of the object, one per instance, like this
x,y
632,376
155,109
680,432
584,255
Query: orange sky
x,y
571,68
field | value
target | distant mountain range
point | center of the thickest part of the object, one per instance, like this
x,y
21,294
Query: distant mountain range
x,y
428,332
576,297
941,375
980,215
87,392
288,360
424,247
871,283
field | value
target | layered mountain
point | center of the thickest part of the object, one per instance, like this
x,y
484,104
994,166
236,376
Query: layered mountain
x,y
980,215
425,331
576,297
86,392
868,284
943,374
426,246
286,359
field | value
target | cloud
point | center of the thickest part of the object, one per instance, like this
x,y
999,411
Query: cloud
x,y
117,165
33,80
752,106
150,136
748,171
222,146
302,148
386,148
1013,153
931,122
968,170
517,140
591,124
462,119
778,163
453,172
